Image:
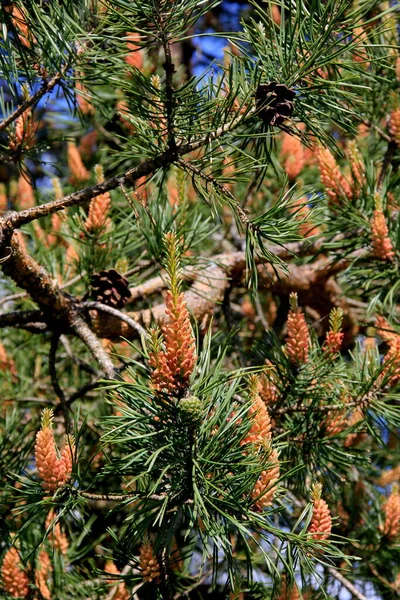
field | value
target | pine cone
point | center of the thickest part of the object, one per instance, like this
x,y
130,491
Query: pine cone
x,y
111,288
274,102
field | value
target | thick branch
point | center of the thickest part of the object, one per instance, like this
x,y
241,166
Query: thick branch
x,y
19,318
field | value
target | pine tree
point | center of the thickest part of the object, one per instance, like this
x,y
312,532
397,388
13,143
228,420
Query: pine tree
x,y
199,299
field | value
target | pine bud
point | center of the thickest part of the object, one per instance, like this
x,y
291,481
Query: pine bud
x,y
54,471
43,570
173,364
394,125
265,488
99,208
335,422
23,137
14,578
357,167
78,171
334,336
292,152
321,520
391,509
260,431
382,246
121,592
297,339
336,185
148,563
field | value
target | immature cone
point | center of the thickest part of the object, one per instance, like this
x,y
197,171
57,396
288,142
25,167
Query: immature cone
x,y
321,520
297,339
260,432
54,471
394,125
265,488
14,578
43,570
99,208
391,509
121,593
58,539
335,184
148,563
334,337
382,246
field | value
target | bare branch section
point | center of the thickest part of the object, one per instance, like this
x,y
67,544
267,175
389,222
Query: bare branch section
x,y
47,86
83,331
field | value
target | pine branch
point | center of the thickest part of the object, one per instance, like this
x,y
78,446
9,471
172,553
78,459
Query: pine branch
x,y
83,331
346,583
47,86
20,318
13,220
115,313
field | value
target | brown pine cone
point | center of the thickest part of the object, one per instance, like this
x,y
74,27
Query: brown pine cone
x,y
274,102
111,288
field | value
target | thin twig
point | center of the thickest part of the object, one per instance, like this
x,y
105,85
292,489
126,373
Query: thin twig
x,y
116,313
347,584
47,86
260,312
83,331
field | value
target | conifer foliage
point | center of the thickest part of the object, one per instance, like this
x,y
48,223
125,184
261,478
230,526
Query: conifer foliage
x,y
199,299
